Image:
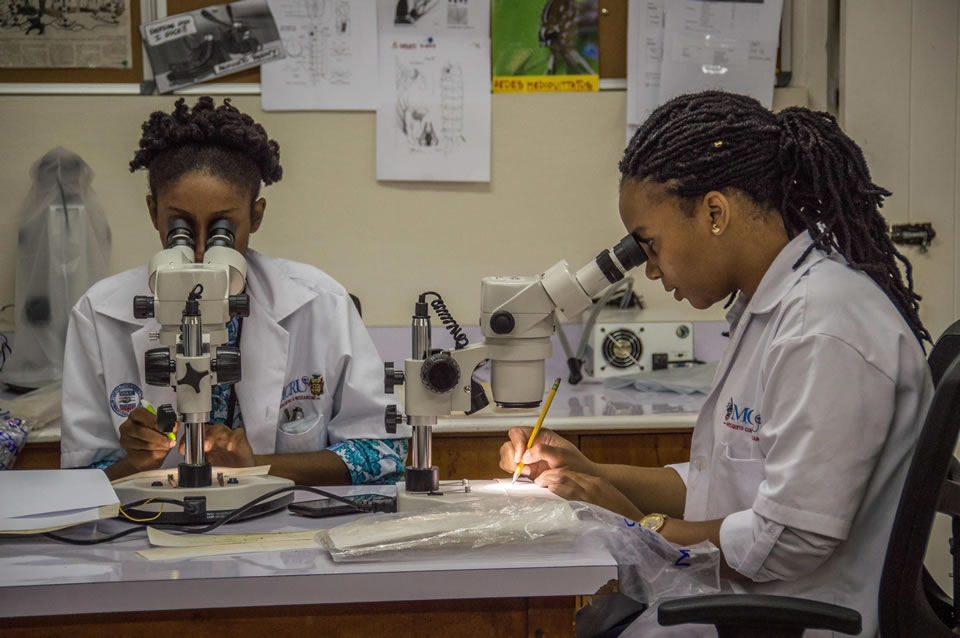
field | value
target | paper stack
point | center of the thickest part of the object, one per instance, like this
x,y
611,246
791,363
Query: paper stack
x,y
33,501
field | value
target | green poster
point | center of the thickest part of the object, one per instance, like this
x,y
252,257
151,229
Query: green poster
x,y
544,39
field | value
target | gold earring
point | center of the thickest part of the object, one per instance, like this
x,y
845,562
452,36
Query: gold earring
x,y
715,229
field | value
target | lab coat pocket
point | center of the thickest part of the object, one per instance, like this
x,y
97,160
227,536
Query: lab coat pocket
x,y
736,479
307,434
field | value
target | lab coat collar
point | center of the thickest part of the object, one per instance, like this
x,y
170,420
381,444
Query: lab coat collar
x,y
275,286
781,276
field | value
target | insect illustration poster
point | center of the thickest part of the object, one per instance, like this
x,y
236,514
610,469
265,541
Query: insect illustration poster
x,y
545,46
433,116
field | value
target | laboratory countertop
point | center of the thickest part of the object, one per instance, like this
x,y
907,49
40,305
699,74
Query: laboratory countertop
x,y
587,406
39,576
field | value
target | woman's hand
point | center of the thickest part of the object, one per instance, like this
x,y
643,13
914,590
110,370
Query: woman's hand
x,y
549,451
225,447
140,437
576,486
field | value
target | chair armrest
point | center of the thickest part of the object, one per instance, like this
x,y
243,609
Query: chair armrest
x,y
760,612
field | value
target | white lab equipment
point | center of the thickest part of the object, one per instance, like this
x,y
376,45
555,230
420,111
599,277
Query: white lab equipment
x,y
517,321
622,343
193,304
63,247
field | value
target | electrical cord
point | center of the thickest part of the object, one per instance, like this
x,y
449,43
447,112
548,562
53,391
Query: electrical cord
x,y
575,360
208,528
460,339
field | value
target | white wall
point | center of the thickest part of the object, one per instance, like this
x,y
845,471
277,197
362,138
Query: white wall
x,y
553,195
900,99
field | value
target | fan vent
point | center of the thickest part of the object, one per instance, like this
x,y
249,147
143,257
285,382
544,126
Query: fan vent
x,y
622,348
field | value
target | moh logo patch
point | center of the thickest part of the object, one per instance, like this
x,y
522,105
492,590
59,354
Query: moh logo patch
x,y
125,398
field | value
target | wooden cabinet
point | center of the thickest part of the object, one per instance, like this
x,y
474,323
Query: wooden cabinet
x,y
477,456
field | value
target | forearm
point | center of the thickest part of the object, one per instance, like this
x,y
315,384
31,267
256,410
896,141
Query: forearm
x,y
120,469
651,489
307,468
686,533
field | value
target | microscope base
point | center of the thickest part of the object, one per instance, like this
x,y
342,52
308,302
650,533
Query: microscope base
x,y
453,492
211,503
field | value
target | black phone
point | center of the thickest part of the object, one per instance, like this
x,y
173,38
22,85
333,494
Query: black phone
x,y
330,507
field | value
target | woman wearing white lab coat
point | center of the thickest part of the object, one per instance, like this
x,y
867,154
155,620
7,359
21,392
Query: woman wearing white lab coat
x,y
310,402
801,448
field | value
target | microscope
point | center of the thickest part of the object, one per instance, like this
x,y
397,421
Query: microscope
x,y
517,321
193,302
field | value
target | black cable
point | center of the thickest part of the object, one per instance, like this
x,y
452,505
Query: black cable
x,y
91,541
250,505
203,530
460,339
113,537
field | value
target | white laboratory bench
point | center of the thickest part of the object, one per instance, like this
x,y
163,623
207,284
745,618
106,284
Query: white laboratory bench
x,y
49,589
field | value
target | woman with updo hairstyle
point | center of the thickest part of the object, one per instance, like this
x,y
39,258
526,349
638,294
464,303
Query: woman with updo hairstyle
x,y
310,403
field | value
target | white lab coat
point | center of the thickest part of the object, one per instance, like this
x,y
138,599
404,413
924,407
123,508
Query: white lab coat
x,y
809,430
303,346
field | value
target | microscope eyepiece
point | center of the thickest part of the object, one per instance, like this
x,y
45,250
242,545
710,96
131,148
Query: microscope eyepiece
x,y
220,234
179,233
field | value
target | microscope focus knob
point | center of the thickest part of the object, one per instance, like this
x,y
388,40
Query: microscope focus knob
x,y
143,307
392,419
227,364
440,373
502,322
158,366
391,377
239,305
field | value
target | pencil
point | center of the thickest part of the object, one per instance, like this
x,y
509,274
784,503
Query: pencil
x,y
536,428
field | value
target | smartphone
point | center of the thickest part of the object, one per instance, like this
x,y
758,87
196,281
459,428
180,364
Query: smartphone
x,y
330,507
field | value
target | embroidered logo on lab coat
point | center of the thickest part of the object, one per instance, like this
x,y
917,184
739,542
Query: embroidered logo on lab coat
x,y
305,388
742,418
125,398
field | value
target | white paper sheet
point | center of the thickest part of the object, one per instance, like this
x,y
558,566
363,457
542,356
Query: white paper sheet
x,y
331,61
731,46
433,116
645,26
43,499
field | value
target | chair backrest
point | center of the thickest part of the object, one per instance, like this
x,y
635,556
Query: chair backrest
x,y
356,303
911,603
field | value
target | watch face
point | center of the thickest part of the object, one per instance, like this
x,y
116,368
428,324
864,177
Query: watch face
x,y
652,521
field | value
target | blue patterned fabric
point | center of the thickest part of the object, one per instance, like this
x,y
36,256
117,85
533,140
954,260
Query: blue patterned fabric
x,y
220,394
373,461
107,462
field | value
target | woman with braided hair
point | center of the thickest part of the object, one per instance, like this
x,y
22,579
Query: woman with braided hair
x,y
801,449
310,402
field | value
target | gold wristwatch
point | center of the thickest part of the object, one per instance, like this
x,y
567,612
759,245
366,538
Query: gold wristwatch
x,y
654,522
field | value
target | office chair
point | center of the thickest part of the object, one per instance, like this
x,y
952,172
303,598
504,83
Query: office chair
x,y
910,602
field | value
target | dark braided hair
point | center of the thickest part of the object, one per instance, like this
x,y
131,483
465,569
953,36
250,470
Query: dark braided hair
x,y
210,139
797,162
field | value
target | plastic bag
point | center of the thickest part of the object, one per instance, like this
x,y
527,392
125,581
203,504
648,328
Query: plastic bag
x,y
649,566
33,410
63,248
688,380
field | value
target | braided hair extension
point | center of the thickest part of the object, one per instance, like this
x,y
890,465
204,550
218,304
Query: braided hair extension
x,y
798,162
211,139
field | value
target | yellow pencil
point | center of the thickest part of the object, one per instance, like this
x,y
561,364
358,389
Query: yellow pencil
x,y
536,428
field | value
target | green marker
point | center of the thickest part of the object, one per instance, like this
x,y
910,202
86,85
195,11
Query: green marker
x,y
152,410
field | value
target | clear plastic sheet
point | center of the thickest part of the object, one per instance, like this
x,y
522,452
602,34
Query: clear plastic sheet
x,y
649,566
63,248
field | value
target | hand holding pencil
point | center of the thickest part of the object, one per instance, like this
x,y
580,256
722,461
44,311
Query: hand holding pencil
x,y
536,428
